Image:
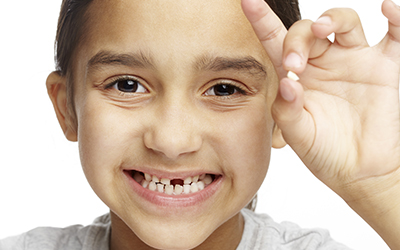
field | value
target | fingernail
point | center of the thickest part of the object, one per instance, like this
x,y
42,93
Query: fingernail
x,y
287,92
293,61
325,20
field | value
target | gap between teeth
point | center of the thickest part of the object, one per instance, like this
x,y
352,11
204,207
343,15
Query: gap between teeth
x,y
163,185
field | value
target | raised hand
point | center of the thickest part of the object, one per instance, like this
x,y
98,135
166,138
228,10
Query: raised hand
x,y
343,116
343,119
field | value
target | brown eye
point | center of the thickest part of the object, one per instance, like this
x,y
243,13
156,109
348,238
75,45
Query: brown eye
x,y
129,85
224,90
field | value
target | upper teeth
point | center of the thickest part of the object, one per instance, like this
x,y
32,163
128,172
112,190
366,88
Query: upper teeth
x,y
163,185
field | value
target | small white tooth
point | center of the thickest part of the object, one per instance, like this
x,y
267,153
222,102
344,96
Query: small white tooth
x,y
155,178
145,183
165,181
160,188
194,188
169,189
207,180
187,180
195,178
147,177
200,185
178,189
291,75
201,177
138,177
152,186
186,189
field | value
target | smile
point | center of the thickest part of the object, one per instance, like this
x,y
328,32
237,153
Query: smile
x,y
173,187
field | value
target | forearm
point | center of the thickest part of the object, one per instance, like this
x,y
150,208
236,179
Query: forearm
x,y
377,201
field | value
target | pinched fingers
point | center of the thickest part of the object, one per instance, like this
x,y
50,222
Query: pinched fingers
x,y
301,44
307,40
346,25
268,28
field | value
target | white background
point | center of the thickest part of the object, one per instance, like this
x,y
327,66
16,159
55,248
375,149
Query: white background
x,y
41,182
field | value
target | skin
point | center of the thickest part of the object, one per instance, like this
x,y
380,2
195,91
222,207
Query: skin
x,y
177,125
341,118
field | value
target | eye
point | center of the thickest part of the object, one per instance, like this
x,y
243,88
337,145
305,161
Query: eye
x,y
224,90
129,86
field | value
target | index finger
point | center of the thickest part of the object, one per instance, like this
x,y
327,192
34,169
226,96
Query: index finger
x,y
269,30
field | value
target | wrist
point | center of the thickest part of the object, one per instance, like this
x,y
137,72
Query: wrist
x,y
377,201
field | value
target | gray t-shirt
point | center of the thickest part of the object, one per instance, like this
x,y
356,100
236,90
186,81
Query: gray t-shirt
x,y
260,232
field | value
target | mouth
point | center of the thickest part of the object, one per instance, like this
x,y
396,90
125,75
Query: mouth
x,y
174,186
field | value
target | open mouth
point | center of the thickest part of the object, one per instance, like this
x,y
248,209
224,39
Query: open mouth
x,y
191,184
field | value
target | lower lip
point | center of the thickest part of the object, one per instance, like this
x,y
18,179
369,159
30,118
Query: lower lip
x,y
177,201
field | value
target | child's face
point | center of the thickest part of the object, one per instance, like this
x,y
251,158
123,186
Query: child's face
x,y
176,56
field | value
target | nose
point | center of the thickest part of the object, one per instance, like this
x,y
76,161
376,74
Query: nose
x,y
174,131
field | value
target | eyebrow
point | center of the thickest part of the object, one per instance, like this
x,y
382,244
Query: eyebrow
x,y
247,64
139,60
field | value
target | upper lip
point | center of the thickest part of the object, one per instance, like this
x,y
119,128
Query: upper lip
x,y
172,175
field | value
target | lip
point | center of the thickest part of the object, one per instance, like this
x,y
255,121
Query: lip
x,y
174,201
170,175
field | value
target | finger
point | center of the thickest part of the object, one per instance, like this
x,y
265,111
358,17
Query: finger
x,y
392,40
295,122
301,44
269,30
346,25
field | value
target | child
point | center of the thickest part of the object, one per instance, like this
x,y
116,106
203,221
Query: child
x,y
177,96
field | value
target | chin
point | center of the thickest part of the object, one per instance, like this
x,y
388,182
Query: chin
x,y
175,238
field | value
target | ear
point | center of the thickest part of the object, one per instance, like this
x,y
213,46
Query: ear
x,y
277,138
57,91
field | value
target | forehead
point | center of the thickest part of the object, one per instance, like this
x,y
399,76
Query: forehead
x,y
171,28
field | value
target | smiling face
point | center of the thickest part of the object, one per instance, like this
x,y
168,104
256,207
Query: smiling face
x,y
168,91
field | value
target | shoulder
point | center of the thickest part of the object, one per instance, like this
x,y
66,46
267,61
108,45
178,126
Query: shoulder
x,y
261,231
93,236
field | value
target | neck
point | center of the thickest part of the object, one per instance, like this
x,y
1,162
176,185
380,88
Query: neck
x,y
225,237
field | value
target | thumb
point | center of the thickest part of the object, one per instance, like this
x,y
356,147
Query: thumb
x,y
295,122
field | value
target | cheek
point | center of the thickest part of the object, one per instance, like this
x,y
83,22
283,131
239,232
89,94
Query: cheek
x,y
104,136
246,152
